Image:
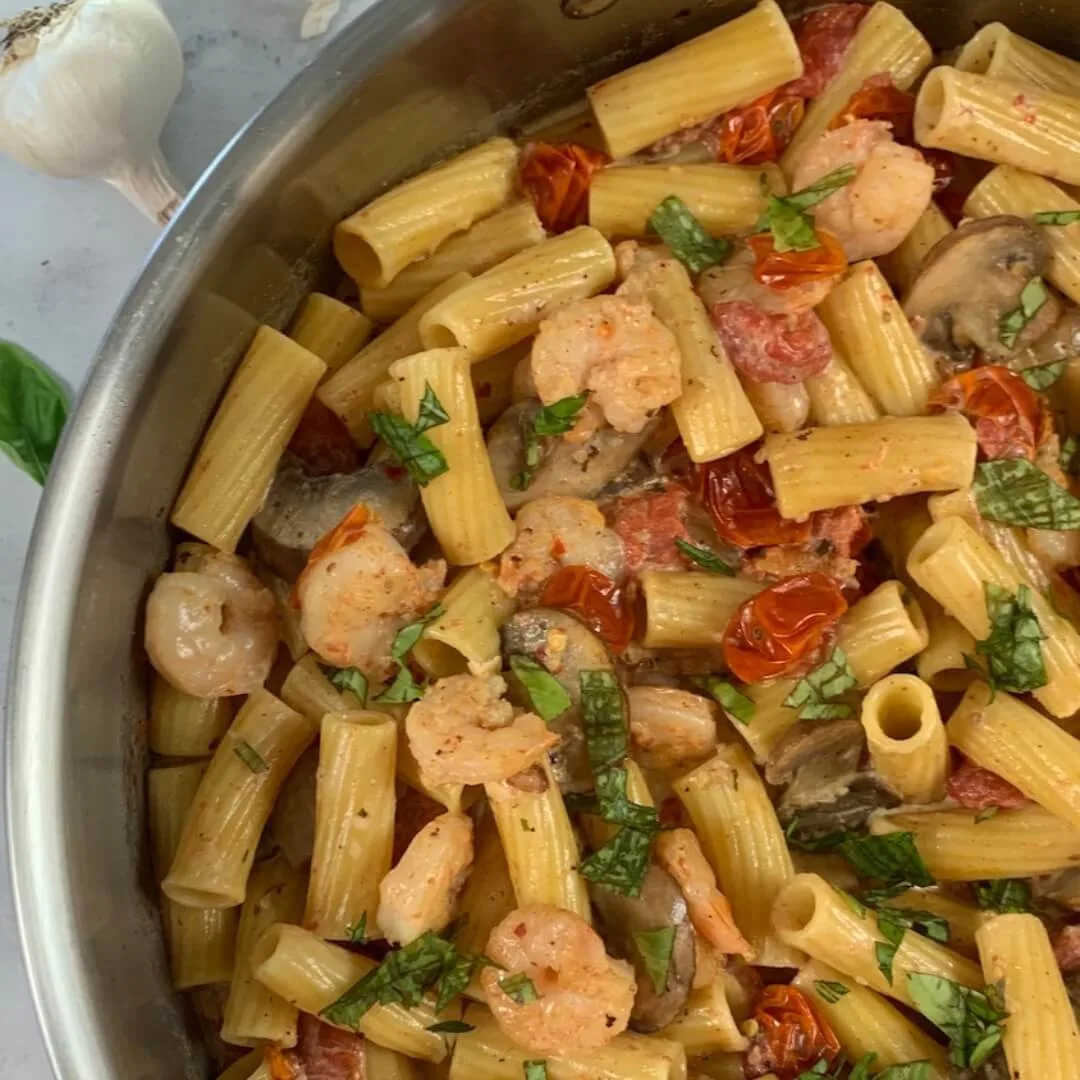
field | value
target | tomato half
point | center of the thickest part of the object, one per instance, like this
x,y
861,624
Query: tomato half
x,y
823,37
760,131
786,269
772,633
1005,411
596,600
323,443
791,1037
976,788
556,178
879,99
772,348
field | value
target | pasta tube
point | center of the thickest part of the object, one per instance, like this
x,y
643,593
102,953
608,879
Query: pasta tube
x,y
312,974
241,450
696,80
823,468
812,916
1041,1037
255,755
488,895
706,1024
837,397
383,1064
1002,734
488,242
250,1065
333,331
412,219
779,407
742,838
870,331
956,846
997,121
292,821
906,738
464,506
183,726
996,51
354,823
506,304
255,1015
963,917
902,265
689,610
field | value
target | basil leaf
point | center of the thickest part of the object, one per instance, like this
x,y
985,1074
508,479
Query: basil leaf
x,y
811,840
861,1069
554,419
401,691
1013,491
1069,461
1056,217
430,412
828,991
690,243
33,410
450,1027
786,218
408,636
892,858
814,694
519,987
935,927
1043,376
821,189
357,934
1013,654
655,948
250,757
987,814
885,951
405,688
350,678
704,558
1012,323
549,698
1007,896
603,719
910,1070
729,697
622,863
536,1070
853,902
968,1017
424,460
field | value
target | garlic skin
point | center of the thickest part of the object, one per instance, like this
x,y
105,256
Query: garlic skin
x,y
85,87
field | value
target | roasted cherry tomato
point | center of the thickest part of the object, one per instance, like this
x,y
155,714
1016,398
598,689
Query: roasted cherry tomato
x,y
322,1052
879,99
596,599
791,1037
772,348
760,131
823,37
649,525
786,269
976,788
1005,411
323,443
773,632
556,178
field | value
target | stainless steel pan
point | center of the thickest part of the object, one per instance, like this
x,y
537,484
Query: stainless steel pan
x,y
405,82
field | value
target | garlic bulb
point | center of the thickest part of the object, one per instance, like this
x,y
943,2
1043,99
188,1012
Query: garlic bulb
x,y
85,86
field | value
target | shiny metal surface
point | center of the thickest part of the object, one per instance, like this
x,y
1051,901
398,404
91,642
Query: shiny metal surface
x,y
408,80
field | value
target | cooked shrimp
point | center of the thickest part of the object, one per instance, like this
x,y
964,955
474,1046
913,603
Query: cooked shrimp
x,y
463,732
671,728
679,853
892,188
420,892
212,630
614,348
583,997
734,281
557,531
358,590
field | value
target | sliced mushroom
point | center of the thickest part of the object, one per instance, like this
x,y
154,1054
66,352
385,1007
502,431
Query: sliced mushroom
x,y
660,905
865,795
299,509
1060,342
970,280
581,469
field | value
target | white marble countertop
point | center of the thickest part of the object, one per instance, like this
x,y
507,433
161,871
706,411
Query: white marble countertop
x,y
71,250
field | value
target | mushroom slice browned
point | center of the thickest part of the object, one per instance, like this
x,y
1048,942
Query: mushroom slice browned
x,y
970,280
660,906
300,509
816,761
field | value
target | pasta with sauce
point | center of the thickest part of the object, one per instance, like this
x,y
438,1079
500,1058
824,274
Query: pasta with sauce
x,y
599,727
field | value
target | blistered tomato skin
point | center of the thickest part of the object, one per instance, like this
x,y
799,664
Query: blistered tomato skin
x,y
879,99
556,178
791,1038
976,788
786,269
323,443
759,132
823,37
649,525
774,632
772,348
597,600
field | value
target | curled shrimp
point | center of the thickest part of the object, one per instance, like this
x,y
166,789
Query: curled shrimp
x,y
679,853
734,282
556,531
463,732
212,629
420,892
582,996
358,590
892,187
615,348
671,728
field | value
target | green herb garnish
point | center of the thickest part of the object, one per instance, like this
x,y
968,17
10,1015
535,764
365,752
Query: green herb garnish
x,y
424,460
349,678
815,694
706,559
33,411
688,239
1013,652
828,991
555,419
786,218
1013,491
250,757
405,688
548,696
893,859
536,1070
1032,298
885,951
728,696
1056,217
357,934
450,1027
655,948
1043,376
971,1019
987,814
1006,895
1070,460
520,988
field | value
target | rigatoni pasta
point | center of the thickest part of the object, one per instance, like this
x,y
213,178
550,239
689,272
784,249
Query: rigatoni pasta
x,y
330,329
997,51
183,726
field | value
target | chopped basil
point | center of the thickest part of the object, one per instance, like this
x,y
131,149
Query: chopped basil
x,y
971,1019
911,1070
1007,896
430,412
622,863
410,445
885,951
892,858
655,948
811,839
33,411
853,902
536,1070
729,697
828,991
688,239
349,678
554,419
704,558
987,814
1070,460
519,987
450,1027
357,934
603,719
935,927
546,693
814,694
819,1069
1056,217
1013,654
405,688
1013,491
250,757
1044,376
786,218
1012,323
